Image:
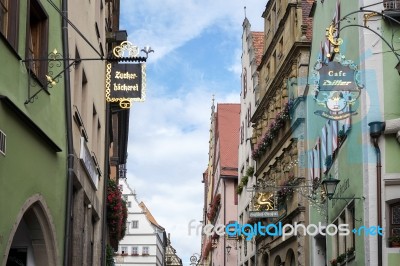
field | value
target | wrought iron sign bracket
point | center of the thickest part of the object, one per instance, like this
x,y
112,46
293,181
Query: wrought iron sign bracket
x,y
55,60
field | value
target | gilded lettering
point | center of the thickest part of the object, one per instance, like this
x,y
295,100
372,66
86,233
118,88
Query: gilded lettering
x,y
337,82
331,73
124,87
125,75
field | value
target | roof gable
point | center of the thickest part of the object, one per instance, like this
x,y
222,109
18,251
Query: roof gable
x,y
228,120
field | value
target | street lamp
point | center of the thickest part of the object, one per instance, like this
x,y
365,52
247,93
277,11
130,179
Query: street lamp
x,y
330,185
195,259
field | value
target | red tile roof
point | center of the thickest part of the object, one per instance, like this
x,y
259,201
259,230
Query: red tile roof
x,y
258,43
228,124
149,216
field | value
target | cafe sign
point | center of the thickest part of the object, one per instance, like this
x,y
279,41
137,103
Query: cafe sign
x,y
125,81
337,87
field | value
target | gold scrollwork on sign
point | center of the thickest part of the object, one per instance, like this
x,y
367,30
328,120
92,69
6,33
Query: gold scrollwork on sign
x,y
126,46
331,35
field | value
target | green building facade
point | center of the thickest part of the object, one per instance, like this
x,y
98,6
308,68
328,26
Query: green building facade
x,y
335,147
344,144
32,134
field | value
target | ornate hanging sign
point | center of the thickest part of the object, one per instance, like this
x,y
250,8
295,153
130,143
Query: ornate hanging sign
x,y
337,87
336,81
125,82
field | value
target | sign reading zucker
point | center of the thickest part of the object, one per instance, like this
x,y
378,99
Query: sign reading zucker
x,y
125,82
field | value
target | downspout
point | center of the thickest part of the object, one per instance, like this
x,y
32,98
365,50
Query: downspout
x,y
70,146
105,186
375,130
224,221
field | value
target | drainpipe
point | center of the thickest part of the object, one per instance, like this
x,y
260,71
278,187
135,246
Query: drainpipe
x,y
375,131
224,221
70,146
105,186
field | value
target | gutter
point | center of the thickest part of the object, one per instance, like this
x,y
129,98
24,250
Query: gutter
x,y
375,131
104,238
70,146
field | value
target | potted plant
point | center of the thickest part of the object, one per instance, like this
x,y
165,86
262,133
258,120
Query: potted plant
x,y
245,180
350,252
394,241
109,256
341,258
239,189
328,161
341,137
250,171
333,262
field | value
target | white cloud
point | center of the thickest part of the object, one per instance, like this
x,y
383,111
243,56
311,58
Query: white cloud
x,y
169,133
167,154
167,25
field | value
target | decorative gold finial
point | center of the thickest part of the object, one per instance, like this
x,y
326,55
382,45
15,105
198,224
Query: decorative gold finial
x,y
331,34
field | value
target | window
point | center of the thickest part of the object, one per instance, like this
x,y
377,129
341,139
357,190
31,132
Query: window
x,y
268,72
274,63
395,219
37,40
280,49
128,204
9,20
135,224
242,133
343,243
2,143
391,4
351,221
145,251
277,261
135,251
124,250
274,14
244,83
249,116
268,26
235,195
95,130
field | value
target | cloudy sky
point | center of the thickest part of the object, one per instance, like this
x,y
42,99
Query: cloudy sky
x,y
197,54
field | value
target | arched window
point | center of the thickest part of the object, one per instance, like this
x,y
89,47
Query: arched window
x,y
277,261
290,258
265,260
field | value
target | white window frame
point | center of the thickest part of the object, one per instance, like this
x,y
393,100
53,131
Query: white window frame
x,y
145,250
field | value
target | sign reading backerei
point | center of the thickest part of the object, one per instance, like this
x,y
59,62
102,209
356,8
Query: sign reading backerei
x,y
125,83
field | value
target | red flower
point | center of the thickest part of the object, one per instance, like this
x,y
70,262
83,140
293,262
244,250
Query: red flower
x,y
117,213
